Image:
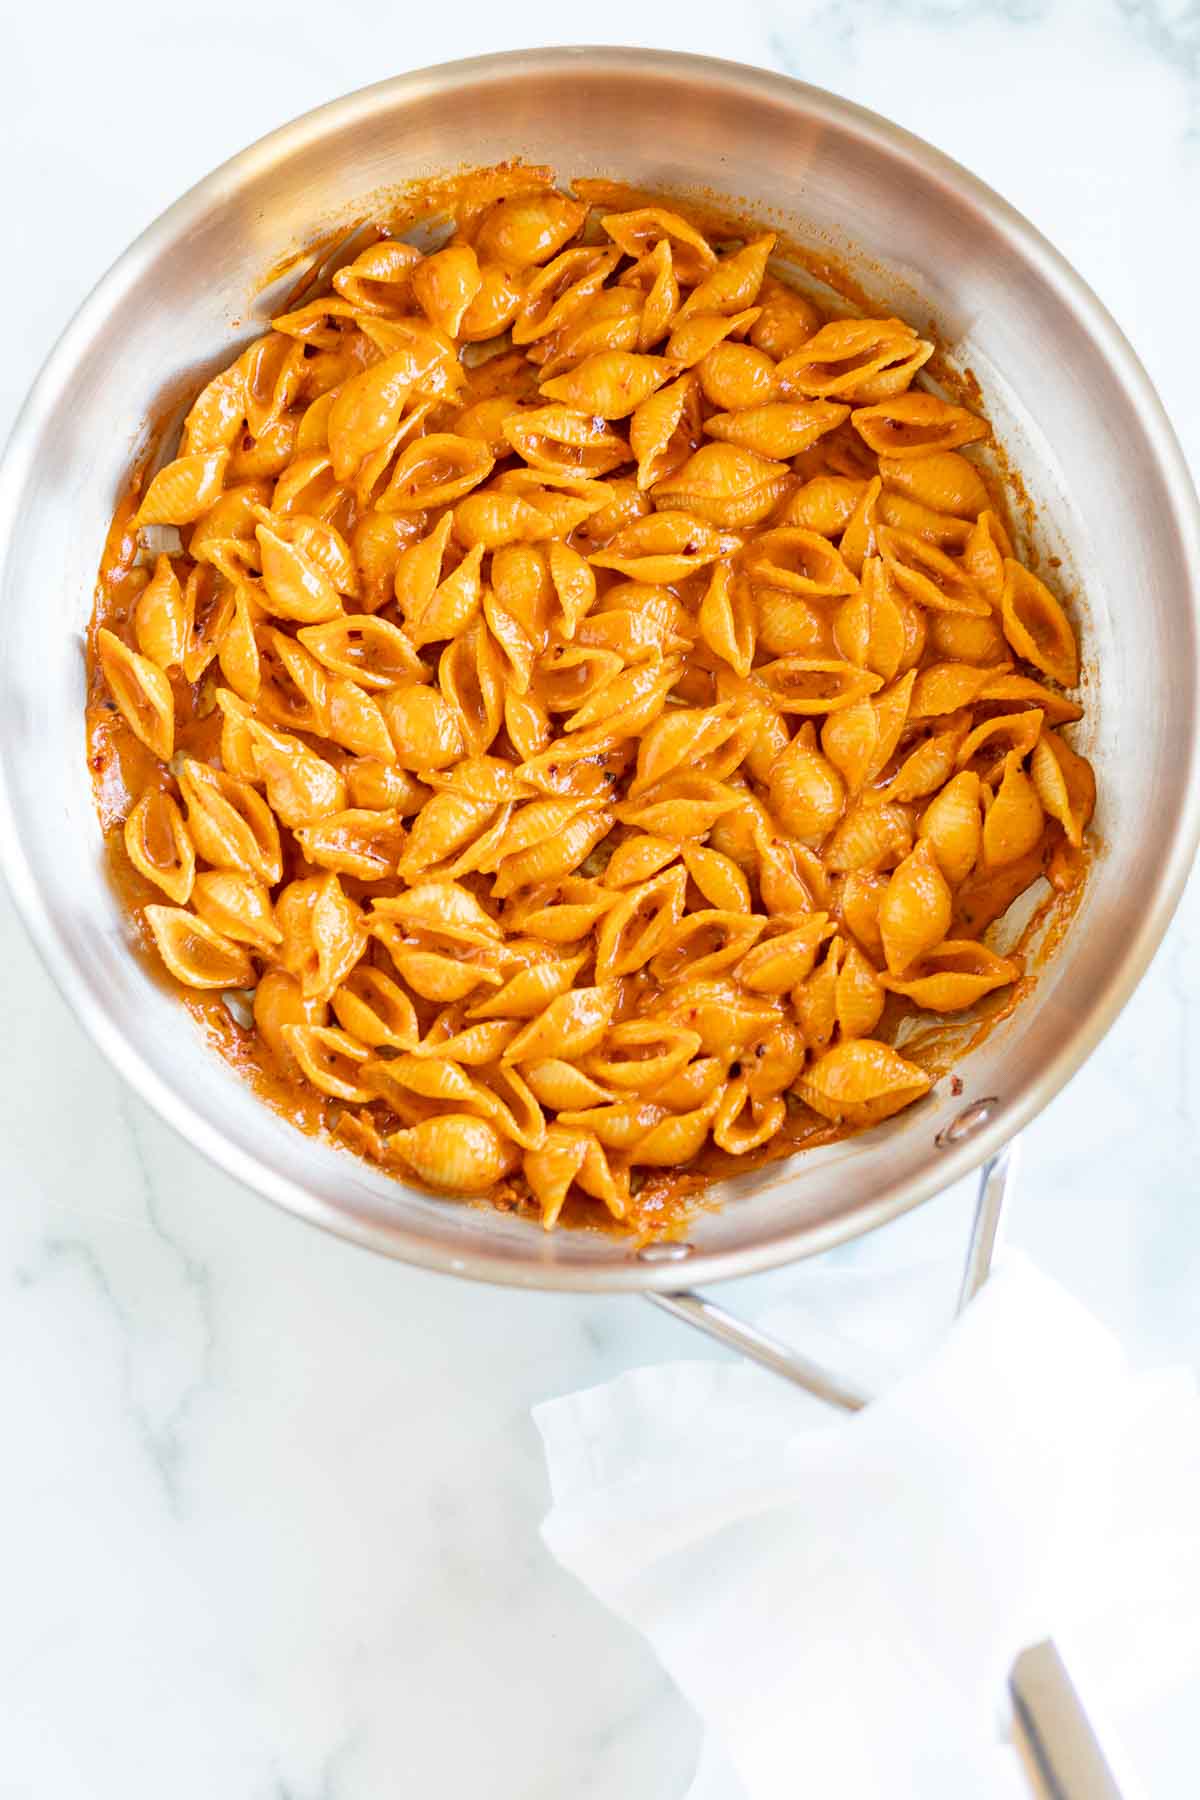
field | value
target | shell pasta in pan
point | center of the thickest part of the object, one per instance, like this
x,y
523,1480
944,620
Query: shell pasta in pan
x,y
573,703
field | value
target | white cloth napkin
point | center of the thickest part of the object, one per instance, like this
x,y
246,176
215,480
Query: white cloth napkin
x,y
841,1598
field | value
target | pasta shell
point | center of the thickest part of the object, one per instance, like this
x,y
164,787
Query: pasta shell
x,y
195,954
869,838
991,741
656,274
425,728
323,934
664,547
184,489
456,1153
955,975
1065,785
860,899
527,724
445,908
494,307
1037,627
237,906
160,618
927,575
915,424
436,974
445,284
782,962
643,1054
800,562
814,1002
559,288
302,787
382,278
859,995
806,792
773,1060
568,1028
436,470
858,539
718,877
295,586
695,1084
827,503
787,319
734,377
217,414
676,1139
363,649
928,767
777,428
741,1124
574,585
726,1018
726,619
375,1010
354,720
725,485
562,439
915,912
552,858
860,360
943,529
1015,819
637,233
681,807
944,687
808,684
685,737
471,677
551,1170
530,991
1056,709
356,842
862,1082
230,823
733,283
942,480
541,822
639,858
664,430
380,787
279,1002
639,925
610,384
521,229
474,1045
142,693
953,824
984,555
159,847
705,943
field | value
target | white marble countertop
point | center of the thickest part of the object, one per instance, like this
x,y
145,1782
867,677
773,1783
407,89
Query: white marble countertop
x,y
269,1506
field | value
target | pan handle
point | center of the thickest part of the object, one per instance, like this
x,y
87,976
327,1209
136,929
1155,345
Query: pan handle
x,y
995,1182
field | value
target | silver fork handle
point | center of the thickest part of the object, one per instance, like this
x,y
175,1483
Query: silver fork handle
x,y
995,1182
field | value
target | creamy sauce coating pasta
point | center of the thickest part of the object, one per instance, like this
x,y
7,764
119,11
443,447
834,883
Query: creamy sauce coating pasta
x,y
569,701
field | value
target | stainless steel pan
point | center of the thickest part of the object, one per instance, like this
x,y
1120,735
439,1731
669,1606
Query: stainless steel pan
x,y
1070,400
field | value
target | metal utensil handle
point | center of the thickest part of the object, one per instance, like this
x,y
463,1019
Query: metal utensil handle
x,y
1069,1758
995,1180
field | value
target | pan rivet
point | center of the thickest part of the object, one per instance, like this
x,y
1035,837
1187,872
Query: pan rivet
x,y
968,1120
664,1253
